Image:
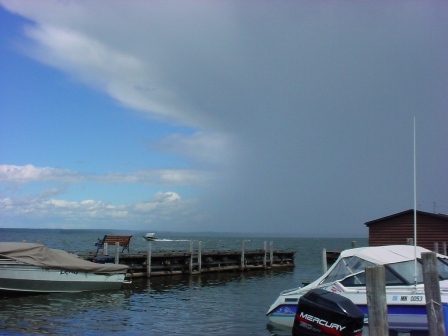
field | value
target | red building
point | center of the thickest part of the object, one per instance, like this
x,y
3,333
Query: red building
x,y
398,228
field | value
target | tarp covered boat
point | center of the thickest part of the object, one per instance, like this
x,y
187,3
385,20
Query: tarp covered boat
x,y
29,267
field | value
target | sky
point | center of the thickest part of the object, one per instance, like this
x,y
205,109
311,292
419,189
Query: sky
x,y
291,118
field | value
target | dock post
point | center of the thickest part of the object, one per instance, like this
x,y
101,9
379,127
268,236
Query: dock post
x,y
264,255
190,266
444,248
376,300
432,294
324,261
271,256
148,260
354,244
436,247
105,249
117,252
199,256
242,255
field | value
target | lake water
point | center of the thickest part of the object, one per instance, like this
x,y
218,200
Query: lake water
x,y
226,303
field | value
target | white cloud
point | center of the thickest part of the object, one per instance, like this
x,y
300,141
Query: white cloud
x,y
123,76
201,148
30,173
160,199
138,53
163,206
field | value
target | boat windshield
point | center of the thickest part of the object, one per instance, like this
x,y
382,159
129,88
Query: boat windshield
x,y
399,274
403,273
345,267
443,268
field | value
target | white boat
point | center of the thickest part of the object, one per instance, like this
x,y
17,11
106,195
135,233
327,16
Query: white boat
x,y
405,296
150,236
34,268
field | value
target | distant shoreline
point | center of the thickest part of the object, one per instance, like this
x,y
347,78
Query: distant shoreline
x,y
189,234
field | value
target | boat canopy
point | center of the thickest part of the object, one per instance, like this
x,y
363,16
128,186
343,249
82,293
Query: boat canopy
x,y
40,255
398,260
390,254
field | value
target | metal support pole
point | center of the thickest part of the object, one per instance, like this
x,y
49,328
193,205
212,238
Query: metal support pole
x,y
271,252
148,260
117,252
105,249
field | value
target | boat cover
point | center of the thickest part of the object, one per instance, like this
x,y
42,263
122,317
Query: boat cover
x,y
40,255
388,254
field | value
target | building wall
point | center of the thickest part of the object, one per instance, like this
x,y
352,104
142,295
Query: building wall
x,y
396,230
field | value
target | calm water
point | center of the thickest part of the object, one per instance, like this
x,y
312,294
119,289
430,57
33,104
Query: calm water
x,y
225,303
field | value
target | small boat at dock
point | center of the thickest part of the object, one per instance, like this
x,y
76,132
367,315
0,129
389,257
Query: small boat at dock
x,y
35,268
405,293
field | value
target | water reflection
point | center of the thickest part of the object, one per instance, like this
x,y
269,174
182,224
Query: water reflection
x,y
48,313
212,304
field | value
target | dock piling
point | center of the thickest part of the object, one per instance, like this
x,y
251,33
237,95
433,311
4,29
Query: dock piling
x,y
376,300
432,294
190,268
264,254
148,260
117,252
324,261
242,255
199,256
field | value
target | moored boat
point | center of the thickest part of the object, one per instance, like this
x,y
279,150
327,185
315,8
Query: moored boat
x,y
405,297
34,268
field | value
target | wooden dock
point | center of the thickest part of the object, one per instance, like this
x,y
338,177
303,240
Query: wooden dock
x,y
194,261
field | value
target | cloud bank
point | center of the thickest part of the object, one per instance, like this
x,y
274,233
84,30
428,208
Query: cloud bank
x,y
307,106
153,213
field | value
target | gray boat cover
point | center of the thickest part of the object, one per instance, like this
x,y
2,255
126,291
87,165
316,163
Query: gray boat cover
x,y
40,255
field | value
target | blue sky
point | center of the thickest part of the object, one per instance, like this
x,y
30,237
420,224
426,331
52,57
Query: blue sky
x,y
267,117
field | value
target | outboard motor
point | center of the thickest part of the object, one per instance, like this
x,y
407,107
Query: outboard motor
x,y
320,312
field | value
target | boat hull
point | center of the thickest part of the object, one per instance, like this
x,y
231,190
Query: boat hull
x,y
400,317
34,279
